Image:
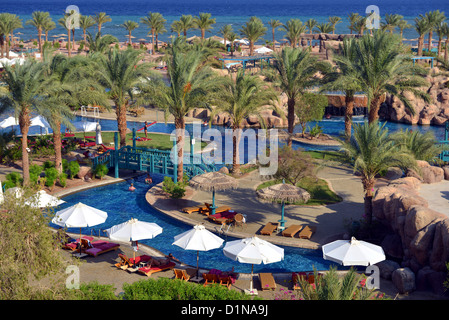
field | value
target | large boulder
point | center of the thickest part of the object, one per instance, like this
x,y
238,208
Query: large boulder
x,y
85,172
393,173
446,172
440,246
392,246
430,174
404,280
386,268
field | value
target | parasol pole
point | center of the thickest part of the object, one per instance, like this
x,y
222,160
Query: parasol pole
x,y
213,201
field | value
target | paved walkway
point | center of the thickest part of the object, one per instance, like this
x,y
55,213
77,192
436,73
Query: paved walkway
x,y
330,220
437,196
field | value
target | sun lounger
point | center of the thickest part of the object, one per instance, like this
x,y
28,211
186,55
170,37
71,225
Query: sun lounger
x,y
73,245
222,217
126,262
184,274
307,232
267,281
198,208
226,281
107,148
219,209
292,230
210,278
149,270
68,135
99,247
269,228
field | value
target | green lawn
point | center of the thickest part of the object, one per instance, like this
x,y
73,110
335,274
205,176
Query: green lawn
x,y
320,194
158,140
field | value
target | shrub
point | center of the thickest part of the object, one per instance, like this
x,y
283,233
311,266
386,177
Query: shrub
x,y
74,168
49,164
14,178
174,289
176,190
51,174
101,170
35,172
94,291
63,180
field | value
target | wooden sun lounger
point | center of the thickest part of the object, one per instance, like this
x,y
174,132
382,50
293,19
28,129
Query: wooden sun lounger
x,y
184,274
307,232
100,247
126,262
269,228
210,278
149,270
219,209
267,281
199,208
292,230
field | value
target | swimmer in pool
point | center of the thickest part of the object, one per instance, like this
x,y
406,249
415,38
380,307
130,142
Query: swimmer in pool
x,y
132,188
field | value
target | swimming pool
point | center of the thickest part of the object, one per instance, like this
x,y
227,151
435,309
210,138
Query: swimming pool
x,y
122,205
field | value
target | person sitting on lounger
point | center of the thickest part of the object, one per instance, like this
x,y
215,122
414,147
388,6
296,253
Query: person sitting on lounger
x,y
171,257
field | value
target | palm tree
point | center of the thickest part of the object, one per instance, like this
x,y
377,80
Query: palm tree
x,y
421,27
324,27
434,18
232,36
402,25
423,146
186,23
445,31
353,19
334,21
253,30
130,26
191,86
383,68
370,151
154,21
47,27
100,19
344,78
204,23
176,27
441,31
274,24
121,72
14,23
5,30
67,22
85,23
311,24
294,28
293,71
100,43
331,286
38,19
361,25
391,22
160,29
240,99
25,87
225,31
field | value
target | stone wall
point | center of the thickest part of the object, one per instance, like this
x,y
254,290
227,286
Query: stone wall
x,y
420,235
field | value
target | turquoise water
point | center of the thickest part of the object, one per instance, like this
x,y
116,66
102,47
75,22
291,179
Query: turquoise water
x,y
122,205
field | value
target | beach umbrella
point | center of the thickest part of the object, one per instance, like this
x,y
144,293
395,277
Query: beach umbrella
x,y
254,251
199,239
263,50
134,230
283,192
85,126
79,216
98,139
9,122
41,122
353,252
215,181
42,199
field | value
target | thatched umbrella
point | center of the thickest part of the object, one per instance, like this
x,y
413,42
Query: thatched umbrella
x,y
285,193
213,181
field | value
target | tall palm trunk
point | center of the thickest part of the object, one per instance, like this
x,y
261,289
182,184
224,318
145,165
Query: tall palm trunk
x,y
152,40
420,45
236,134
251,47
39,39
349,99
368,187
429,43
69,44
58,145
120,111
290,119
374,110
274,46
439,47
203,34
24,123
445,50
129,37
180,126
2,45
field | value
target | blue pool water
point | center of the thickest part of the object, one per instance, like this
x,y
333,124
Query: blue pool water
x,y
122,205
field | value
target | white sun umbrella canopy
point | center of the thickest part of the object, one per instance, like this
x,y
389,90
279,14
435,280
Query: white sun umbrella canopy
x,y
353,252
199,239
42,199
41,122
8,122
85,125
263,50
79,216
254,251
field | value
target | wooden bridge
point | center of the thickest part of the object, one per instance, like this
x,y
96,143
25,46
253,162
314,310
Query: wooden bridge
x,y
149,160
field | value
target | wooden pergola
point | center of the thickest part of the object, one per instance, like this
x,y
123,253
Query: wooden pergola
x,y
245,60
